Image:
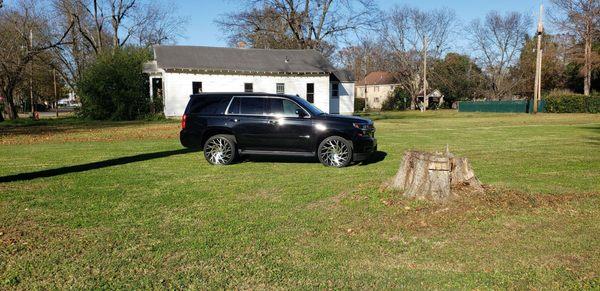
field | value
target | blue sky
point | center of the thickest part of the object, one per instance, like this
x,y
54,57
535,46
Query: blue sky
x,y
202,30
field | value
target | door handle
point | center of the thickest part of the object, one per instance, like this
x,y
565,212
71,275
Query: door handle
x,y
233,119
274,122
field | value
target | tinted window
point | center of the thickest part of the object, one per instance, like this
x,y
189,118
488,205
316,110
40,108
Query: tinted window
x,y
207,105
251,105
234,108
282,107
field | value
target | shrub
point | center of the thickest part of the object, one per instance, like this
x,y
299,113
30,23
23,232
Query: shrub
x,y
114,87
568,102
398,100
359,104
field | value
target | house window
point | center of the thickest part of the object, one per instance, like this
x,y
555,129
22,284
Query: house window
x,y
335,90
376,88
310,92
248,87
280,88
196,87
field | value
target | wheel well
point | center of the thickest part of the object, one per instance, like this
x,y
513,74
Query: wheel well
x,y
332,133
214,131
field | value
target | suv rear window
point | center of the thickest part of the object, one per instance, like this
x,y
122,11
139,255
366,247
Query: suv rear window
x,y
207,105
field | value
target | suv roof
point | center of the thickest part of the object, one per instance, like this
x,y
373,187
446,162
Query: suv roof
x,y
239,94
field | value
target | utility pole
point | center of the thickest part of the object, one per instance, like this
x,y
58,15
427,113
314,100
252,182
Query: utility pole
x,y
55,93
31,76
537,90
425,99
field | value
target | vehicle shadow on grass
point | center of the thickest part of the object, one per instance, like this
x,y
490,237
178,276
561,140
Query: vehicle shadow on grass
x,y
376,157
92,166
595,138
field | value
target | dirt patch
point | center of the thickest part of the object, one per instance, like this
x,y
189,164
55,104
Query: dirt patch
x,y
82,133
475,207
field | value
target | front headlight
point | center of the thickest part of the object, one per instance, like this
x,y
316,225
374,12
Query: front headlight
x,y
361,126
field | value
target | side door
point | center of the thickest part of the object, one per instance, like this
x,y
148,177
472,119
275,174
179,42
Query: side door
x,y
289,130
246,115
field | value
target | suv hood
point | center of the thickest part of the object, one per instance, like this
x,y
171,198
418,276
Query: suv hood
x,y
344,118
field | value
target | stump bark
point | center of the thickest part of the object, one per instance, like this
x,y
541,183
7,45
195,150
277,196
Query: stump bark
x,y
435,176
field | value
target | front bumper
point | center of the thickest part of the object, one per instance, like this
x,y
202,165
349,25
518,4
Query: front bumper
x,y
363,148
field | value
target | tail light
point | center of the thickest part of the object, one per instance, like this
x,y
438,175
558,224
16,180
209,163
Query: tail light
x,y
183,121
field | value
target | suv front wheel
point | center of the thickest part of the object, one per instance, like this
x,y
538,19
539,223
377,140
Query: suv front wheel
x,y
335,151
220,149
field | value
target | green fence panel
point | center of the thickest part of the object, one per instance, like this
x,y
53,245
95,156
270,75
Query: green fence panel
x,y
518,106
493,106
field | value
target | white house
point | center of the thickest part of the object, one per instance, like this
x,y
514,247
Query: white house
x,y
179,71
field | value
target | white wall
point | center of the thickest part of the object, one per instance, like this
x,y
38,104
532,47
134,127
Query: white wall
x,y
178,87
347,98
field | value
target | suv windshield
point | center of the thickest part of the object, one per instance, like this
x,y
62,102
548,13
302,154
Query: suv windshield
x,y
309,106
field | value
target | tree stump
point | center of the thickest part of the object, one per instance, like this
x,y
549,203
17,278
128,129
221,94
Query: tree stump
x,y
435,176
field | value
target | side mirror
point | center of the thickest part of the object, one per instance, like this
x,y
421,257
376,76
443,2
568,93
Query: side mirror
x,y
301,113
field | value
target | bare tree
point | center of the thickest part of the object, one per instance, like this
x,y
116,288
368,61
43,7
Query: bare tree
x,y
581,19
305,24
105,24
498,40
18,47
158,23
404,32
362,58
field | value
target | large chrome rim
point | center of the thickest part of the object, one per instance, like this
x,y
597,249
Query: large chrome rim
x,y
219,151
335,153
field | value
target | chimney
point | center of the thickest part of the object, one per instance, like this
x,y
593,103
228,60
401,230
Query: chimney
x,y
241,44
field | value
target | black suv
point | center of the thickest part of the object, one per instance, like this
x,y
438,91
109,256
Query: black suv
x,y
227,125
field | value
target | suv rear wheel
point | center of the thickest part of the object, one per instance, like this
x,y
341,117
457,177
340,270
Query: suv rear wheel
x,y
335,151
220,149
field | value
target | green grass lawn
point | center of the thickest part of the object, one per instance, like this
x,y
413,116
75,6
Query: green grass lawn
x,y
124,208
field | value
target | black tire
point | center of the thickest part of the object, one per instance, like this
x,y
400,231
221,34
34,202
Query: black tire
x,y
335,151
220,149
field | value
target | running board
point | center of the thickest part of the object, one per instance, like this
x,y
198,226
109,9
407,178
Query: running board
x,y
277,153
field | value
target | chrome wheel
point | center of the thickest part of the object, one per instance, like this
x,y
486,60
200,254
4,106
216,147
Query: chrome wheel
x,y
219,151
335,152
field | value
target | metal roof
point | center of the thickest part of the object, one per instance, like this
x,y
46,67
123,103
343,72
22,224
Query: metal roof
x,y
344,76
240,60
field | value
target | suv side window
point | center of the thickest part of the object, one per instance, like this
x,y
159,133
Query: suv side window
x,y
252,105
207,105
234,107
282,107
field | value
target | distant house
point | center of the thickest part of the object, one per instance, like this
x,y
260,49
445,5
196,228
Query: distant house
x,y
434,98
375,88
179,71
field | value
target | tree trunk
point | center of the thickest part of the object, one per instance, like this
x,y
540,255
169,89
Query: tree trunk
x,y
587,78
435,176
11,109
